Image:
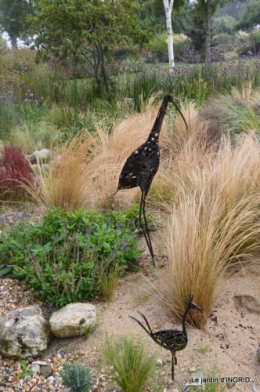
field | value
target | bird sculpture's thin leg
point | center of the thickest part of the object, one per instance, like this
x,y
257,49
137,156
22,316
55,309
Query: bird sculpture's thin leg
x,y
145,229
173,362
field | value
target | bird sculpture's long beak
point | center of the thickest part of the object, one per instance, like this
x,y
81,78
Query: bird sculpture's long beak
x,y
180,113
197,307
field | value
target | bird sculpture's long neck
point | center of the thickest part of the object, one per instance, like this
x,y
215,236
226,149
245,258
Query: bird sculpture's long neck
x,y
184,320
155,132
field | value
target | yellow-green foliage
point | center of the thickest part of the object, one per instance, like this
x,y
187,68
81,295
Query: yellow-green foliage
x,y
127,362
34,136
236,113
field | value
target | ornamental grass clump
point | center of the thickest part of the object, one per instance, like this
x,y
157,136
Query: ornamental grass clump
x,y
127,362
213,224
236,113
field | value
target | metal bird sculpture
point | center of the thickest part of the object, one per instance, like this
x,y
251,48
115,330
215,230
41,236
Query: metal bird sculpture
x,y
170,339
142,165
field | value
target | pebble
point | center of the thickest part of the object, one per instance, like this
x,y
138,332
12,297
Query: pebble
x,y
46,371
34,367
159,361
230,384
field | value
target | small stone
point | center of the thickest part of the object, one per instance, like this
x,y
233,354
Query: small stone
x,y
34,367
192,369
46,371
61,353
41,363
159,361
230,384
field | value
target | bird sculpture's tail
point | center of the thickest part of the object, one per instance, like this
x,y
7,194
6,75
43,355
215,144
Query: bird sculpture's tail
x,y
150,332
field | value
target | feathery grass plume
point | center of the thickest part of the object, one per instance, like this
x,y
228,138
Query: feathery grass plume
x,y
213,224
202,241
108,273
235,113
182,150
127,362
65,182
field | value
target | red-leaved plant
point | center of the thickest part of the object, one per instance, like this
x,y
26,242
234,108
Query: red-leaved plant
x,y
14,172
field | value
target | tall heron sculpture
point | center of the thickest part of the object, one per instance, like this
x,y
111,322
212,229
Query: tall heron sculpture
x,y
142,165
171,339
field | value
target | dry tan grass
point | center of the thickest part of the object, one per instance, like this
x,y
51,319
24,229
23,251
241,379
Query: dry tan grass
x,y
182,150
213,223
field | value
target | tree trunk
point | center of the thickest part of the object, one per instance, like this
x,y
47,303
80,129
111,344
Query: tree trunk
x,y
14,42
207,28
168,5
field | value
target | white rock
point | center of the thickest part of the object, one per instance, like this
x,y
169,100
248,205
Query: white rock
x,y
73,320
41,363
159,361
34,367
23,333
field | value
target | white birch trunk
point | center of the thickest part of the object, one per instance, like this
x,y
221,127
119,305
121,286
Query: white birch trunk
x,y
168,6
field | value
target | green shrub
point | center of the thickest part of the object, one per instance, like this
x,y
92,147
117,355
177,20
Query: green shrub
x,y
8,116
254,37
223,38
127,362
158,47
76,377
61,256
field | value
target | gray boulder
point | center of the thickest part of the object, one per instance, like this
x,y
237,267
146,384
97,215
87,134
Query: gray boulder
x,y
23,333
73,320
42,156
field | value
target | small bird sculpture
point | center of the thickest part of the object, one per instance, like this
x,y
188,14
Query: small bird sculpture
x,y
142,165
171,339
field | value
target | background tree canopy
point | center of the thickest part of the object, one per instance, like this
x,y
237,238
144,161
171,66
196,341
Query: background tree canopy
x,y
69,29
12,17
